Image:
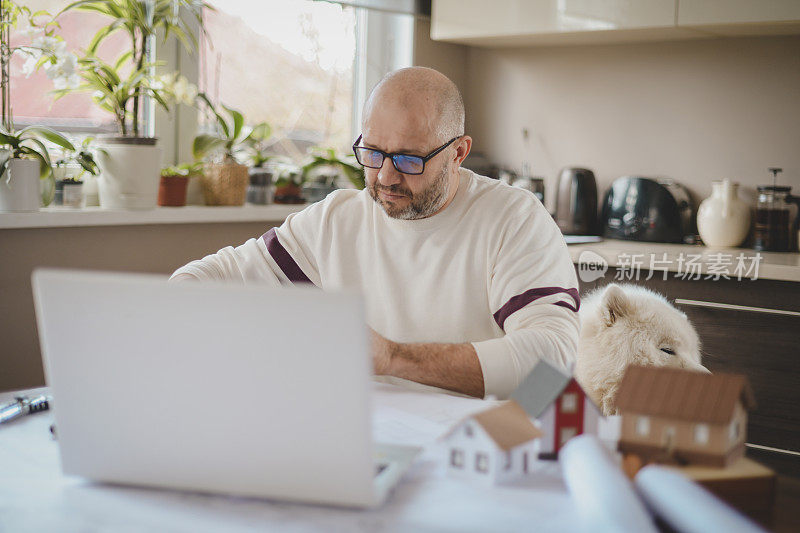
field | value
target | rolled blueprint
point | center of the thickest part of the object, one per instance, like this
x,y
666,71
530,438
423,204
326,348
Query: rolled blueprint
x,y
686,506
604,497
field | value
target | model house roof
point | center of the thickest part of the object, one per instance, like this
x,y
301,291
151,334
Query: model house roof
x,y
683,394
540,388
507,425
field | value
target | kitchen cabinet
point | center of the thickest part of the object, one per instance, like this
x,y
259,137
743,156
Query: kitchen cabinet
x,y
716,12
506,23
750,327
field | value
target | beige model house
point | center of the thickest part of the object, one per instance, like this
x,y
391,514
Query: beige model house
x,y
496,446
682,416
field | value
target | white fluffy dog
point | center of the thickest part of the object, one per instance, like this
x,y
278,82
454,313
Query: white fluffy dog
x,y
628,324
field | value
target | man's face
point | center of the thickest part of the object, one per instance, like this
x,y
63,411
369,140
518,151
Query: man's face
x,y
394,128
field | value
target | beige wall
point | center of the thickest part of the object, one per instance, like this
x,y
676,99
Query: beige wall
x,y
695,111
449,59
155,249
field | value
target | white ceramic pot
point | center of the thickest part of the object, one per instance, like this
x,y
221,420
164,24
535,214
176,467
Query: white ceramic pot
x,y
723,219
130,172
19,186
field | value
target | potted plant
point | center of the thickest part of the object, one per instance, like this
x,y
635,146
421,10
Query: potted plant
x,y
174,182
326,168
26,175
69,171
260,190
130,161
288,187
225,179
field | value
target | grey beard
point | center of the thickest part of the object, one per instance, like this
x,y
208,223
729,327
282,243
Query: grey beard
x,y
423,204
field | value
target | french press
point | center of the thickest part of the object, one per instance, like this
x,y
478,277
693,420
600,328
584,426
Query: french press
x,y
776,229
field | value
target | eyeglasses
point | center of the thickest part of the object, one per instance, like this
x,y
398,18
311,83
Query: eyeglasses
x,y
407,164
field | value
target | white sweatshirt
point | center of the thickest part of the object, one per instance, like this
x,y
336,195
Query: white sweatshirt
x,y
491,268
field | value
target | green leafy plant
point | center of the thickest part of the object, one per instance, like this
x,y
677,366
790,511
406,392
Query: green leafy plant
x,y
347,165
257,145
182,170
121,93
231,138
82,156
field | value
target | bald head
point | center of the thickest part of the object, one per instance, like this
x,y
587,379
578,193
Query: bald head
x,y
425,91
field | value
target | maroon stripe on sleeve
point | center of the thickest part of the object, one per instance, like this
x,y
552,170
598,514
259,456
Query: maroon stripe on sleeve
x,y
282,257
521,300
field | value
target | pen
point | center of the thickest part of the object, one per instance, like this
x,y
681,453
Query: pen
x,y
22,406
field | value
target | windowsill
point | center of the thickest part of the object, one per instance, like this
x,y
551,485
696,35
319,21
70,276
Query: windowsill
x,y
54,217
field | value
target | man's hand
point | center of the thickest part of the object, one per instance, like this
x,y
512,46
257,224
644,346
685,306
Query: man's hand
x,y
448,366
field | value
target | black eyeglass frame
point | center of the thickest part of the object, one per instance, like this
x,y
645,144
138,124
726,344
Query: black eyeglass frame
x,y
424,159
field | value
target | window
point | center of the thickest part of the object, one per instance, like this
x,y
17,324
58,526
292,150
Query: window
x,y
287,63
457,458
481,462
734,430
508,460
468,430
701,433
525,462
643,426
569,402
669,437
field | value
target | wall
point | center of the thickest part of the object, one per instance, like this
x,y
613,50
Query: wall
x,y
154,249
695,111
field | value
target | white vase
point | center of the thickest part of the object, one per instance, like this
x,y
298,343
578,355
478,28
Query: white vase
x,y
19,186
130,172
723,219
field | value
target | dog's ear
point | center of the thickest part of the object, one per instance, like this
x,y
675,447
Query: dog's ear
x,y
615,304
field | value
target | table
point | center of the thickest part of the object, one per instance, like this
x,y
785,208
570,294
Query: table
x,y
35,496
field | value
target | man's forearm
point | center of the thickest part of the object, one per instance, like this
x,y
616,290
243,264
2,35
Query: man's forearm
x,y
448,366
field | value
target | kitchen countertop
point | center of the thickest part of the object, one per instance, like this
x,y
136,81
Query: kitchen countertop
x,y
50,217
686,260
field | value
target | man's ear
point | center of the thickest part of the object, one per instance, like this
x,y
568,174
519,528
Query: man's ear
x,y
615,304
463,147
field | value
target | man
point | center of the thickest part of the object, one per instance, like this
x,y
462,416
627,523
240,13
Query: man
x,y
467,281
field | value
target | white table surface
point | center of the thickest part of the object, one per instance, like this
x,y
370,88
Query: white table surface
x,y
35,496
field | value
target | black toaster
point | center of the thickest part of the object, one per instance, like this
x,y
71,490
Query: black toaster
x,y
650,210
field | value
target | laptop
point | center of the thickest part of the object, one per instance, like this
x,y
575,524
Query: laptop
x,y
213,387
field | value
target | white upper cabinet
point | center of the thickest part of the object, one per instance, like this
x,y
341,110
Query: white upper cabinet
x,y
741,17
534,22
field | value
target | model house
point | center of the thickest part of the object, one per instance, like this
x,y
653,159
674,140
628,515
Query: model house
x,y
561,407
674,415
497,445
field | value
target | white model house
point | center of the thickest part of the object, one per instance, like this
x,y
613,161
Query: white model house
x,y
496,446
560,406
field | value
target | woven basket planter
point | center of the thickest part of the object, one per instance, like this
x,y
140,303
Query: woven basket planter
x,y
225,183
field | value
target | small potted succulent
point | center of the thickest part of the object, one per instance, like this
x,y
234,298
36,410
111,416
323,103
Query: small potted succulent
x,y
174,182
260,190
225,179
288,187
326,169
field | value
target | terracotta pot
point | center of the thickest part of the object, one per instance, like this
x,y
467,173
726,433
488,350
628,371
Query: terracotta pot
x,y
172,191
225,183
288,194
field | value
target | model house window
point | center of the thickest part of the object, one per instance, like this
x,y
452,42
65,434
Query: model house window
x,y
525,462
481,462
569,402
734,430
457,458
701,433
468,430
566,434
669,437
643,426
508,461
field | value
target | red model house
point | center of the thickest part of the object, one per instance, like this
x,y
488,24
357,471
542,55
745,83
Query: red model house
x,y
560,405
